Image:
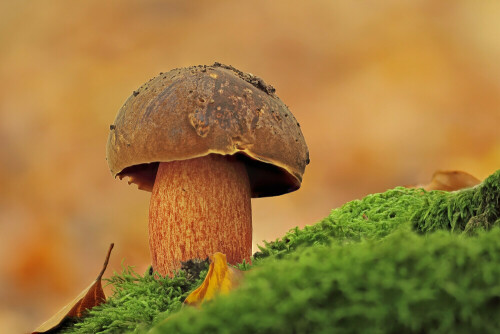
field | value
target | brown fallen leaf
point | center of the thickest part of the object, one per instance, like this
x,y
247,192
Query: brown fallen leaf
x,y
449,181
220,279
87,299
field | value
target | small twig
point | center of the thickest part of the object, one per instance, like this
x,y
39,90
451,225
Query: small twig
x,y
105,262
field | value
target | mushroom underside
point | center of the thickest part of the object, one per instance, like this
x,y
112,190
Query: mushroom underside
x,y
266,179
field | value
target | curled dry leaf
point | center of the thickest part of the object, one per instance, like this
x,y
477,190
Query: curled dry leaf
x,y
87,299
449,181
220,279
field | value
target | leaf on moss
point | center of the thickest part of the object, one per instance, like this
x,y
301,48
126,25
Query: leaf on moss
x,y
220,279
87,299
449,181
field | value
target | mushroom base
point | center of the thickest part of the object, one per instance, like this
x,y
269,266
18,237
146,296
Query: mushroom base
x,y
198,207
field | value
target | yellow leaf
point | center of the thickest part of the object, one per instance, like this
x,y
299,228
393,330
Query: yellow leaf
x,y
220,279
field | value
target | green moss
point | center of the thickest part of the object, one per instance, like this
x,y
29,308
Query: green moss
x,y
373,217
465,210
137,302
441,283
368,266
378,215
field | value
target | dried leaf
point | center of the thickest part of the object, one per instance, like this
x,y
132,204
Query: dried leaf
x,y
220,279
449,181
87,299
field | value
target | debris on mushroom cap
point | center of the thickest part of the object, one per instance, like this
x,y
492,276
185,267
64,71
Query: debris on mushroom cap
x,y
200,110
256,81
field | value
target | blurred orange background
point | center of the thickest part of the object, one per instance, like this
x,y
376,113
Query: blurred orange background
x,y
385,94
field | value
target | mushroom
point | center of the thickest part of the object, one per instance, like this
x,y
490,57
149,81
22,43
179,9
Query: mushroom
x,y
205,140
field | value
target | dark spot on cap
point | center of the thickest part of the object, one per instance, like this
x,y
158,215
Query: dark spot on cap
x,y
112,127
135,93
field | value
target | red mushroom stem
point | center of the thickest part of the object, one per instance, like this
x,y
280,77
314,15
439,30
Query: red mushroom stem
x,y
198,207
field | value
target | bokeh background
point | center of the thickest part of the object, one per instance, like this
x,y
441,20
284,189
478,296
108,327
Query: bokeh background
x,y
386,94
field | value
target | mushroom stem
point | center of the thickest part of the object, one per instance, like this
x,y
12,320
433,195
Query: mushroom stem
x,y
198,207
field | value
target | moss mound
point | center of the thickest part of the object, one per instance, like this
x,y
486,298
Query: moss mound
x,y
378,215
368,266
407,284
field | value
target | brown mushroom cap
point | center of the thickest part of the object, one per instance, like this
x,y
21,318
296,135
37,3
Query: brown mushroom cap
x,y
200,110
